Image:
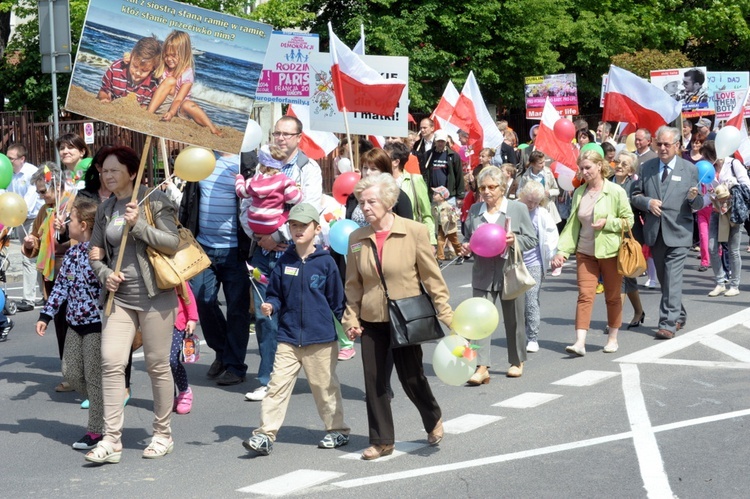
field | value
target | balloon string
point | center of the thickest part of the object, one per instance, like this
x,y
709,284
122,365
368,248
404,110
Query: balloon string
x,y
154,189
450,263
252,281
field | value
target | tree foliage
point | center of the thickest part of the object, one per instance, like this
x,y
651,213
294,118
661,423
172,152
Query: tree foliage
x,y
502,41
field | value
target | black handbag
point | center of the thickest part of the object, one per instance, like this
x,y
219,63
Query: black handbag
x,y
413,320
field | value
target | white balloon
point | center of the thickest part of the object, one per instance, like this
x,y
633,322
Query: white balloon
x,y
450,369
253,136
728,139
565,182
344,165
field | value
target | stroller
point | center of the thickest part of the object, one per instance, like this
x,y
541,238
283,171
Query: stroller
x,y
10,307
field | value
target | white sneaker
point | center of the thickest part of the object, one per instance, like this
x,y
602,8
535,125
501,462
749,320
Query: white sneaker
x,y
732,292
532,347
719,290
556,272
650,284
257,395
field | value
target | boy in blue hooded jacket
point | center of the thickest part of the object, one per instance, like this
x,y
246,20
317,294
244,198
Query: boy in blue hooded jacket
x,y
306,292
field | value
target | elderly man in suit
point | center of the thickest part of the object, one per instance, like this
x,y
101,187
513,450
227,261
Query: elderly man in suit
x,y
667,193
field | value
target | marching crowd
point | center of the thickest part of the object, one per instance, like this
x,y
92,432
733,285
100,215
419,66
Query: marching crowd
x,y
260,220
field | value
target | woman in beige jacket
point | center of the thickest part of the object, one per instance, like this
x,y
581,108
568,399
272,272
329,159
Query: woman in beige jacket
x,y
404,249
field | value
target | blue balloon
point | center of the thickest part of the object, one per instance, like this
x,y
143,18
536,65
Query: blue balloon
x,y
2,300
706,172
339,235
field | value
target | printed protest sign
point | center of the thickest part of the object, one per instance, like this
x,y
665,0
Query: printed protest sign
x,y
169,70
324,114
687,85
720,90
286,71
561,89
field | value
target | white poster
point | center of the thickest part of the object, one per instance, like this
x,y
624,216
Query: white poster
x,y
286,73
324,114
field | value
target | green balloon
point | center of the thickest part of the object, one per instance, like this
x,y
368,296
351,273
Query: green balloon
x,y
523,146
593,146
83,165
6,171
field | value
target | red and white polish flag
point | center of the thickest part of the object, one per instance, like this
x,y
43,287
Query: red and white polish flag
x,y
562,151
358,87
314,144
471,115
737,120
632,99
442,114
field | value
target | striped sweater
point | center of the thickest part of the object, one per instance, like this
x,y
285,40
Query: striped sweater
x,y
268,194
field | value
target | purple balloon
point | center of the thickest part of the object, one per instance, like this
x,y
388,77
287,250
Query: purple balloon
x,y
488,240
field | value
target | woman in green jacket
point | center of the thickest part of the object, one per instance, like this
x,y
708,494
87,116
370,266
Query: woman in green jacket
x,y
593,232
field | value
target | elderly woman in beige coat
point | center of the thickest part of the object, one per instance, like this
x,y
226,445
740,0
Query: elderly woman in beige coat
x,y
403,247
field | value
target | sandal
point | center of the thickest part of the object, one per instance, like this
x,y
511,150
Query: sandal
x,y
159,447
104,452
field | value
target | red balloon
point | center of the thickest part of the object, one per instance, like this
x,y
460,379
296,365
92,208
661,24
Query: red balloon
x,y
488,240
564,129
343,186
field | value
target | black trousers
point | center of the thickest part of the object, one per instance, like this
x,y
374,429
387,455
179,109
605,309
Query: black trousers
x,y
376,343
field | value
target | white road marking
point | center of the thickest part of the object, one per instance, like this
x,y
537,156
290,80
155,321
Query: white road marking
x,y
401,449
291,482
667,347
527,400
469,422
700,363
586,378
655,479
727,347
474,463
465,285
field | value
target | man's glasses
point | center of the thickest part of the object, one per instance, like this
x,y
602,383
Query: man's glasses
x,y
665,144
285,135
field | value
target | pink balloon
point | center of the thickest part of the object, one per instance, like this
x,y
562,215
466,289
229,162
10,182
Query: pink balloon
x,y
564,129
343,186
488,240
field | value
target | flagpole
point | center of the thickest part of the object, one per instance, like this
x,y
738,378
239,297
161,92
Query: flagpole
x,y
355,166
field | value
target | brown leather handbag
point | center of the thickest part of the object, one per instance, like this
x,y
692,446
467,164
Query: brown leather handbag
x,y
630,259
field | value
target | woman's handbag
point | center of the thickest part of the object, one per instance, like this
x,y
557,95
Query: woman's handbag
x,y
630,259
172,271
516,277
413,320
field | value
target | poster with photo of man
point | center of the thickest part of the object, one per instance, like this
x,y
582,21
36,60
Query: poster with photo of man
x,y
169,70
689,86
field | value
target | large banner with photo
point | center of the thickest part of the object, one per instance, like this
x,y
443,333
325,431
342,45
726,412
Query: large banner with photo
x,y
561,89
689,86
324,114
286,71
721,87
169,70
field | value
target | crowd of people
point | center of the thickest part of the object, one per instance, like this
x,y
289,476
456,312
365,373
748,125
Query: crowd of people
x,y
260,222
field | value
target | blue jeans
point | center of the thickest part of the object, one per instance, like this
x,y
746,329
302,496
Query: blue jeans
x,y
227,336
266,328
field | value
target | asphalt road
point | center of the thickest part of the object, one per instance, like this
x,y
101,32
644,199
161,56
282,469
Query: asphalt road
x,y
658,419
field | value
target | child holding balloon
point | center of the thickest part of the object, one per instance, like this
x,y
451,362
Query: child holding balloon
x,y
269,192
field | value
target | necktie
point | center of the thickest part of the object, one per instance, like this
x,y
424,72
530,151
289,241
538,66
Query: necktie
x,y
664,173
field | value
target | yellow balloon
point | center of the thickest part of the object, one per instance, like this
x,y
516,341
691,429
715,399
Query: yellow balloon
x,y
194,163
630,142
13,209
475,318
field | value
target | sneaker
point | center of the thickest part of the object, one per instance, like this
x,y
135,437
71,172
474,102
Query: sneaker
x,y
88,441
650,284
257,395
556,272
732,292
5,330
599,288
459,261
718,290
532,347
24,306
346,353
183,402
40,302
259,443
333,440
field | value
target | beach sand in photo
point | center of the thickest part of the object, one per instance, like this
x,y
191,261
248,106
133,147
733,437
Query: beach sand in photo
x,y
126,112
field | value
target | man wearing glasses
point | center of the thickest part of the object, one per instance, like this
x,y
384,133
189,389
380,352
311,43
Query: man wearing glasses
x,y
667,193
21,184
268,248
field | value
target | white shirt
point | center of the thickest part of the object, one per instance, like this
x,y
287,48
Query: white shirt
x,y
21,184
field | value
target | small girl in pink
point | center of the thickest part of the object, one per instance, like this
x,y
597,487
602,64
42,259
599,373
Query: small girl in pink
x,y
269,191
184,325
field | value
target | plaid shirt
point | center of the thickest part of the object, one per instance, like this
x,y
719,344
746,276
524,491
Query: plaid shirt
x,y
115,83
